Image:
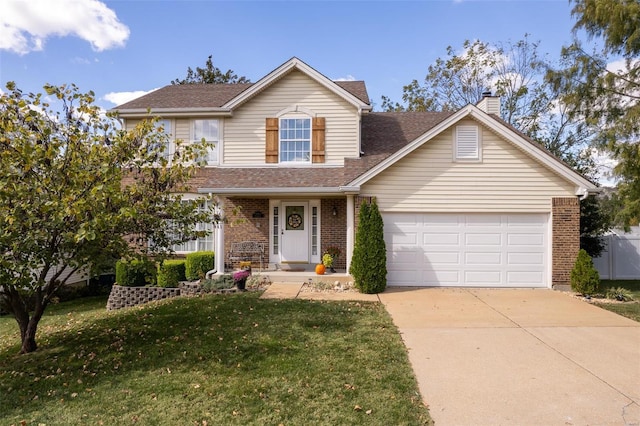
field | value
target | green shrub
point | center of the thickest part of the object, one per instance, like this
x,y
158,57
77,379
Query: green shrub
x,y
584,276
136,272
198,264
620,293
220,283
369,261
171,272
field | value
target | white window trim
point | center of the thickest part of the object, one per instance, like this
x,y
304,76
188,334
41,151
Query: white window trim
x,y
293,116
211,236
217,144
171,147
478,157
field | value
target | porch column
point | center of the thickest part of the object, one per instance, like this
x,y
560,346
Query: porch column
x,y
219,247
351,224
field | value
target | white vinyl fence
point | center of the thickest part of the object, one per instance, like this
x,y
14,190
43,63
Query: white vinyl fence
x,y
621,258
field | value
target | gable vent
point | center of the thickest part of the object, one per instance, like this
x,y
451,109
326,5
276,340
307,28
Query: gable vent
x,y
467,145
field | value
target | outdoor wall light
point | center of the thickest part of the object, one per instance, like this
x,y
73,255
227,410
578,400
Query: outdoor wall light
x,y
334,211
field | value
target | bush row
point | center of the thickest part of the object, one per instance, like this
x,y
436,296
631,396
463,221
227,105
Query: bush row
x,y
143,272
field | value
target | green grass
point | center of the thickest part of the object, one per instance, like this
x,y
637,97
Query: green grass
x,y
629,309
232,359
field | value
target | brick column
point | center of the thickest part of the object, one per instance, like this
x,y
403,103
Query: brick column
x,y
565,218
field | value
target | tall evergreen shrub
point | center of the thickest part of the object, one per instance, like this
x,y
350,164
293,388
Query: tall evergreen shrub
x,y
369,261
584,276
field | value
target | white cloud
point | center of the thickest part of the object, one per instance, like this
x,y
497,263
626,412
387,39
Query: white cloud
x,y
119,98
26,24
349,77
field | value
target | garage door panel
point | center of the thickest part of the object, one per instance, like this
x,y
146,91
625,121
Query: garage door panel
x,y
483,258
525,258
524,277
441,277
404,278
501,250
483,239
527,240
402,238
406,257
429,239
482,277
441,258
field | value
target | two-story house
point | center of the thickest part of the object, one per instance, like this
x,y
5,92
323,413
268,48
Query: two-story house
x,y
466,199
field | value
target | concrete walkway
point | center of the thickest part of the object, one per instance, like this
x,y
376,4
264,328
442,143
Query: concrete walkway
x,y
512,357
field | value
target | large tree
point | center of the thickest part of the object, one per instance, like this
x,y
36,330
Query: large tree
x,y
513,71
210,74
601,88
78,191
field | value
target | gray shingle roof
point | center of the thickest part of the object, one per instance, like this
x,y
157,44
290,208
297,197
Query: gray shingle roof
x,y
212,95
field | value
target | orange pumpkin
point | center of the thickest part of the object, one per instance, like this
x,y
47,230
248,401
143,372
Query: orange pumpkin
x,y
320,269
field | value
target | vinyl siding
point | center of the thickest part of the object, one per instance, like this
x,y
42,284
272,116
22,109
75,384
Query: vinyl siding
x,y
506,180
244,133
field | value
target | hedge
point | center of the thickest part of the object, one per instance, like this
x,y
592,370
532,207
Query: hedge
x,y
171,272
135,273
198,264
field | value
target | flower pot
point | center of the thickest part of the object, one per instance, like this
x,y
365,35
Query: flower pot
x,y
320,269
241,284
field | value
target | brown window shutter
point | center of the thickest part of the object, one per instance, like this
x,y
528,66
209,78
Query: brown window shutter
x,y
317,148
271,151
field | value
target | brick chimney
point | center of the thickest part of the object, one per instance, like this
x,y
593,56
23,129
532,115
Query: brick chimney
x,y
489,104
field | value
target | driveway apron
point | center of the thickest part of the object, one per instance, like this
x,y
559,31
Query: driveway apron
x,y
518,357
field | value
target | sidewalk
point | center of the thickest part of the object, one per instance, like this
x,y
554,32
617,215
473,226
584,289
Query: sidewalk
x,y
292,291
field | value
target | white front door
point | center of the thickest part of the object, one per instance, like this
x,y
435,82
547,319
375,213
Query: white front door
x,y
294,232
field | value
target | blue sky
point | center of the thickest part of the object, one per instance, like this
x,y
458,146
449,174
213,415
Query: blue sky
x,y
118,47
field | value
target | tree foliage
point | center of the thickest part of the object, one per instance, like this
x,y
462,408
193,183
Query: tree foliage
x,y
369,261
76,190
602,88
210,74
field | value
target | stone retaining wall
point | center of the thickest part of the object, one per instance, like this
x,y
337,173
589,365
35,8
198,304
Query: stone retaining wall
x,y
124,297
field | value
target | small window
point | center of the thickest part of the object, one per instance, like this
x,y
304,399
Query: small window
x,y
207,130
467,143
295,140
164,126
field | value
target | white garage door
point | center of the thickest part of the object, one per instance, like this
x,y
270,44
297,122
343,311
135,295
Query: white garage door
x,y
475,250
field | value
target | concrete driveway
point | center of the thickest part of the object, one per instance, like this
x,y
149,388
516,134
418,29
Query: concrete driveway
x,y
518,357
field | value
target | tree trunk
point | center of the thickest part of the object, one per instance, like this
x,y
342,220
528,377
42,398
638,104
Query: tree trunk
x,y
29,337
19,308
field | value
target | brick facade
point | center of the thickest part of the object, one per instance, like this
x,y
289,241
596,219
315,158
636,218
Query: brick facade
x,y
333,231
565,218
242,226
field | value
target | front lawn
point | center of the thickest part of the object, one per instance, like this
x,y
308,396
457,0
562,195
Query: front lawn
x,y
629,309
232,359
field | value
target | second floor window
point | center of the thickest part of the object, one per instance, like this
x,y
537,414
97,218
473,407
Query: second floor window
x,y
295,140
208,130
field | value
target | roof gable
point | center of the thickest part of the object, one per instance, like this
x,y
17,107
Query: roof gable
x,y
506,132
223,98
359,99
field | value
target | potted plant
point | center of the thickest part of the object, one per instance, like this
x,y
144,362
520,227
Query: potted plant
x,y
327,261
332,253
240,278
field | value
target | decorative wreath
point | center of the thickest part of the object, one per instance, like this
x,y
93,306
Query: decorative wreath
x,y
294,220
